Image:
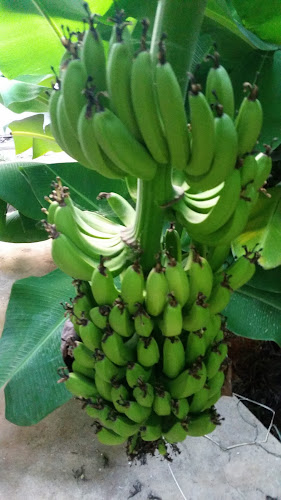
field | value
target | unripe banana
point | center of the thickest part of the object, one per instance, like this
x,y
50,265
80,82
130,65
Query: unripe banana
x,y
201,425
103,387
156,290
121,147
215,383
264,166
103,287
216,356
83,370
173,357
123,426
120,320
107,370
177,432
53,105
96,158
135,411
219,87
180,408
212,400
202,131
73,85
114,348
146,108
197,316
200,276
171,105
152,430
99,316
220,296
248,170
195,346
93,57
106,436
90,335
83,355
177,281
121,207
132,287
242,270
199,400
82,304
144,394
217,256
147,351
143,322
173,243
80,385
51,210
212,329
172,322
97,409
119,392
162,404
188,382
249,120
134,372
118,77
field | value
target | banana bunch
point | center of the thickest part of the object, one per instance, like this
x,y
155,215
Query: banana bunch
x,y
151,353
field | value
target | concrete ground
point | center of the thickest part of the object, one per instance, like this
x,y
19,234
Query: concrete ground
x,y
60,458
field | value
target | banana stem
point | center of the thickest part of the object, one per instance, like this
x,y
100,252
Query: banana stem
x,y
150,216
181,21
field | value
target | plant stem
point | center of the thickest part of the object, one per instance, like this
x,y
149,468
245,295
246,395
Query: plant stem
x,y
150,215
181,21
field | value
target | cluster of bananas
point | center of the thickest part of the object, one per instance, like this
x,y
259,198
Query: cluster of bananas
x,y
151,355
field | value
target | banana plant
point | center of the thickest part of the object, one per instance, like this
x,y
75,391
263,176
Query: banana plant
x,y
184,293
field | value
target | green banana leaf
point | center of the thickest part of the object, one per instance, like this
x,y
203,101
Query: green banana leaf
x,y
262,18
269,281
255,314
21,229
30,133
30,348
263,230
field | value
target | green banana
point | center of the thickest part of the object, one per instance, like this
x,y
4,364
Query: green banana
x,y
147,351
263,168
225,153
99,316
248,170
97,409
202,132
132,287
180,408
200,276
162,404
83,355
103,387
96,158
107,370
156,290
197,316
215,383
103,287
173,243
118,77
177,280
123,426
143,322
135,372
216,356
212,329
108,437
177,432
82,304
195,346
146,107
120,320
93,57
242,270
144,394
80,385
220,296
90,335
83,370
201,425
73,85
249,120
212,400
53,105
188,382
172,322
121,147
114,348
171,106
217,256
173,357
119,392
151,430
199,400
219,87
121,207
134,411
